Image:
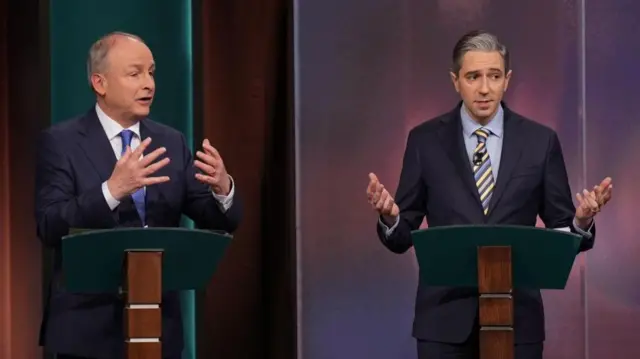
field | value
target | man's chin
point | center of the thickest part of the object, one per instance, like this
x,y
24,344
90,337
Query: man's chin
x,y
483,115
141,112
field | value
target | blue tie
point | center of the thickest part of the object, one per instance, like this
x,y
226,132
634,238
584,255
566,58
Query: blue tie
x,y
138,196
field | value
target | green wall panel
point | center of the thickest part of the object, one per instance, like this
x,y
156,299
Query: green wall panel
x,y
166,27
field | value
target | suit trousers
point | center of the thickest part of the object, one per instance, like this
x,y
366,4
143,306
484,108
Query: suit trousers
x,y
470,350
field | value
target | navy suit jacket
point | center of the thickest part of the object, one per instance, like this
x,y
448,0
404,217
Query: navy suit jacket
x,y
73,159
437,182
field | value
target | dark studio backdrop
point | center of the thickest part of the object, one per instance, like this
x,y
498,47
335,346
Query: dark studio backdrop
x,y
306,274
223,73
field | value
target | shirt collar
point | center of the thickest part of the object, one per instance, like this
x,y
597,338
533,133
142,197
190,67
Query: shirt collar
x,y
111,127
495,125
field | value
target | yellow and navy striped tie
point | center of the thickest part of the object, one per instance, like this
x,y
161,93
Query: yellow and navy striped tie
x,y
482,171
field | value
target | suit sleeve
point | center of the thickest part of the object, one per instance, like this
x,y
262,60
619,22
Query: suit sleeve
x,y
58,207
200,204
557,208
411,198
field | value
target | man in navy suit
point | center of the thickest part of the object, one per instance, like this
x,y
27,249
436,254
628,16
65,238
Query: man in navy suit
x,y
481,163
114,167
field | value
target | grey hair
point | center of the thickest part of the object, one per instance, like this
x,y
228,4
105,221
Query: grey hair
x,y
98,52
478,40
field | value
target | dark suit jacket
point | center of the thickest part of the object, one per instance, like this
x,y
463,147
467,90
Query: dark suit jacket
x,y
437,182
74,159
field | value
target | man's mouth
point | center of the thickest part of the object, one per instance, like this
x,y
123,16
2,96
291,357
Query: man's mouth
x,y
145,99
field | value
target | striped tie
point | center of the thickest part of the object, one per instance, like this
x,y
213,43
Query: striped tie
x,y
482,171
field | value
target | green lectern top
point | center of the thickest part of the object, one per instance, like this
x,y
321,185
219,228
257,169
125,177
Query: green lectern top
x,y
93,260
541,258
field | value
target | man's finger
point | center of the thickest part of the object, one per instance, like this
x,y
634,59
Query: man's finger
x,y
149,158
376,192
208,159
380,200
206,179
210,149
597,190
395,210
591,197
590,201
143,146
207,169
388,205
155,180
370,190
606,194
126,155
380,203
149,170
371,187
606,182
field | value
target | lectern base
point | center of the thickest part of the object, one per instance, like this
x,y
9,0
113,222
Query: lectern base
x,y
144,350
143,294
496,302
496,344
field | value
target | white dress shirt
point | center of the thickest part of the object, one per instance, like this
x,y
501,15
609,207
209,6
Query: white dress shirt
x,y
113,129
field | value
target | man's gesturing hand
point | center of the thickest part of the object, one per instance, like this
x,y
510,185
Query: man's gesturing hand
x,y
132,172
214,172
591,203
381,200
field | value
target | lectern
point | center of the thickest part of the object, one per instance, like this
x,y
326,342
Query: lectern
x,y
140,264
495,259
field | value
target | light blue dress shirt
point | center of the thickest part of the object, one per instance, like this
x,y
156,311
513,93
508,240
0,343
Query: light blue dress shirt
x,y
494,142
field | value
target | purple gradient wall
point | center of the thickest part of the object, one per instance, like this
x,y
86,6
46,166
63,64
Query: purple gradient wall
x,y
368,71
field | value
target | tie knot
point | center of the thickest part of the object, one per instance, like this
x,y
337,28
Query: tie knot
x,y
126,135
482,134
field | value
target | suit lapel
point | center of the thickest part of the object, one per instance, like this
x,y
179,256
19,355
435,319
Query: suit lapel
x,y
96,145
450,134
511,152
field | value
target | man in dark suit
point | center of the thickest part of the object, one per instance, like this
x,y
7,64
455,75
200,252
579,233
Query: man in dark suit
x,y
481,163
103,170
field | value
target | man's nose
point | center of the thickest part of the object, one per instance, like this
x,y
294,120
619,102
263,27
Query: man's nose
x,y
149,83
484,86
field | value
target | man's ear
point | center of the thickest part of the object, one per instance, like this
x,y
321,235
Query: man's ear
x,y
454,80
506,80
99,84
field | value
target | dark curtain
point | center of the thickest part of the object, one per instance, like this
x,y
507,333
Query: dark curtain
x,y
24,110
244,73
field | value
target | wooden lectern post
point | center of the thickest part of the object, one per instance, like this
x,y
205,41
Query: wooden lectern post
x,y
496,302
143,296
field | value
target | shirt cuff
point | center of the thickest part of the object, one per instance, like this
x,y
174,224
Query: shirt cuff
x,y
225,202
582,232
388,231
112,202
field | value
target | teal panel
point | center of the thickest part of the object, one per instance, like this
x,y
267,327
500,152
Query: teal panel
x,y
166,27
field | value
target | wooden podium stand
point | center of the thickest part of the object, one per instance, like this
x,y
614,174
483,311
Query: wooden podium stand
x,y
143,297
495,259
140,264
495,302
